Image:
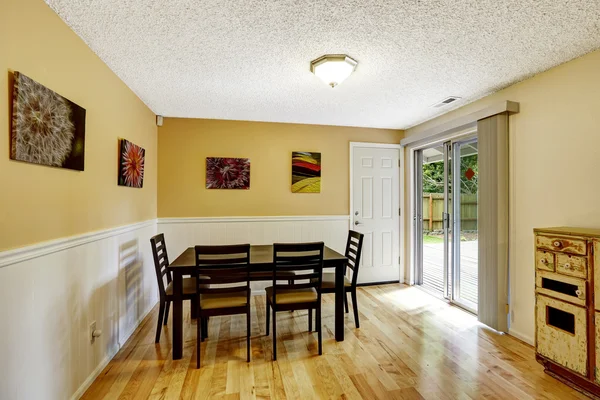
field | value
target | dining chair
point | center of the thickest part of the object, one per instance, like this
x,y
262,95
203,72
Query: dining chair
x,y
306,260
353,252
165,291
227,269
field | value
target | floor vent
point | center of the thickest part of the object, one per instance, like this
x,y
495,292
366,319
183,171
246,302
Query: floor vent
x,y
446,101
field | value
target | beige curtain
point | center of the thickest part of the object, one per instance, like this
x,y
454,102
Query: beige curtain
x,y
492,134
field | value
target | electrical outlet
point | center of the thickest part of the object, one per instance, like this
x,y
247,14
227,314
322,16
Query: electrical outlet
x,y
92,329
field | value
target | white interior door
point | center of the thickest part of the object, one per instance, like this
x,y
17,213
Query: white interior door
x,y
375,209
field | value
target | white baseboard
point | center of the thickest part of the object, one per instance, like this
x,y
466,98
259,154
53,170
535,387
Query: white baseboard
x,y
90,379
136,325
525,338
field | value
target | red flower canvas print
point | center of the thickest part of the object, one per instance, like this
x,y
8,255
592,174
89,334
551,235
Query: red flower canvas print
x,y
227,173
131,164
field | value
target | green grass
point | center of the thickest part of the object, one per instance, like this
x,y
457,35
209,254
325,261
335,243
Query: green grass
x,y
432,239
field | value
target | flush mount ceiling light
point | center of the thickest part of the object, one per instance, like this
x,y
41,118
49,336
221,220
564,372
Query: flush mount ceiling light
x,y
333,69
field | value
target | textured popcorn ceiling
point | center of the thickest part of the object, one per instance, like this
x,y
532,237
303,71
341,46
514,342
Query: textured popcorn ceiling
x,y
249,59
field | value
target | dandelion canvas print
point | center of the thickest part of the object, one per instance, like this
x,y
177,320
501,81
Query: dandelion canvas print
x,y
131,164
306,172
47,128
227,173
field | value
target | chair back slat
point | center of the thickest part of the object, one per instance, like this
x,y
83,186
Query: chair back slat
x,y
221,261
306,259
353,253
223,269
161,262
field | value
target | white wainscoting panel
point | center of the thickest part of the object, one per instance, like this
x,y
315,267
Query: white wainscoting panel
x,y
51,292
181,233
49,295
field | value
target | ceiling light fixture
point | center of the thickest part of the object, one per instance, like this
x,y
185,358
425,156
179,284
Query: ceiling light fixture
x,y
333,69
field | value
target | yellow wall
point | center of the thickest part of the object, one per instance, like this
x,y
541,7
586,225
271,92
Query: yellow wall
x,y
39,203
184,145
554,161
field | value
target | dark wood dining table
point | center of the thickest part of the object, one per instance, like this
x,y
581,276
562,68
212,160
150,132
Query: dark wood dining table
x,y
261,259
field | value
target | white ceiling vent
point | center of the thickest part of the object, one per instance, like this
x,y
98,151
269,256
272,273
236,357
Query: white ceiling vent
x,y
446,101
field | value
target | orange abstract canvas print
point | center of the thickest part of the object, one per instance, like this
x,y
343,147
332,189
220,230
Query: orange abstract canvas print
x,y
306,172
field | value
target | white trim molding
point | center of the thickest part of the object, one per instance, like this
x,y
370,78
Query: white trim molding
x,y
21,254
283,218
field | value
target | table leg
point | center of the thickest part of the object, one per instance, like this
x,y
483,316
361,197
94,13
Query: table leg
x,y
339,302
177,316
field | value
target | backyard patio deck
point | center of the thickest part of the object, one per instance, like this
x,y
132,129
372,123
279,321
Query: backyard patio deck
x,y
433,266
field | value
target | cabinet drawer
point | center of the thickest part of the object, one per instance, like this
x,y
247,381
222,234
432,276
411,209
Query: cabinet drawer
x,y
544,260
561,333
571,265
568,245
561,287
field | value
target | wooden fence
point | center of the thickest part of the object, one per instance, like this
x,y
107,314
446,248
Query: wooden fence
x,y
433,205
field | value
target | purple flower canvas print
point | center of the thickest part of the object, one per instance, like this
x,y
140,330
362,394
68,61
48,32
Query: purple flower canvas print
x,y
227,173
131,165
47,128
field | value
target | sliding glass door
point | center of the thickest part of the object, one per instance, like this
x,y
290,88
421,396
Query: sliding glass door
x,y
431,227
445,221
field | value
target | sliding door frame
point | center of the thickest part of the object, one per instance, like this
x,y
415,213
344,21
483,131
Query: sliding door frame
x,y
456,223
416,213
417,217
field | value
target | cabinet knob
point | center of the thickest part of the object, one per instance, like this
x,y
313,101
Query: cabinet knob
x,y
578,293
557,243
568,266
544,261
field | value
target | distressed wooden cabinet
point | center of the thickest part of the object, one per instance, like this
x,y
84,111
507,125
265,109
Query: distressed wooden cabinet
x,y
567,302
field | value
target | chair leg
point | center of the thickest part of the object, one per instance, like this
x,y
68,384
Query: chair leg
x,y
346,301
310,319
199,339
319,330
355,307
268,317
192,308
274,335
291,282
248,327
167,312
205,326
161,315
204,330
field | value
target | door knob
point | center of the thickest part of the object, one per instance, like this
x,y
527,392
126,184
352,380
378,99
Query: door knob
x,y
357,223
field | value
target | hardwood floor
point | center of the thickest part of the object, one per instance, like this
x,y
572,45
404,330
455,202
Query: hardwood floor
x,y
409,346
